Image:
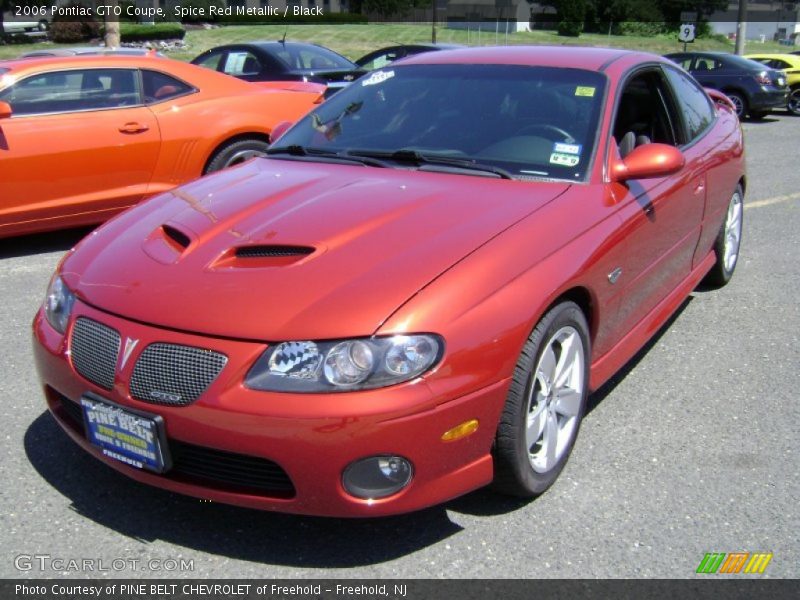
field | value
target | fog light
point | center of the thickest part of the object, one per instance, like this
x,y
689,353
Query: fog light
x,y
377,476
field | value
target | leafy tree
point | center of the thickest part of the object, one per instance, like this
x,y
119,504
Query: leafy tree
x,y
571,15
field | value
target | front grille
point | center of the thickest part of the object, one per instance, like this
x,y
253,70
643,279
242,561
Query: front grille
x,y
174,375
208,466
94,349
229,468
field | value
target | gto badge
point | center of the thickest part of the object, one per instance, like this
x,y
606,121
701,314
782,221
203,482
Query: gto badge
x,y
130,344
167,397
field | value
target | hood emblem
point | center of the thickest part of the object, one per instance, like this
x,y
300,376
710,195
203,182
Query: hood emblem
x,y
130,345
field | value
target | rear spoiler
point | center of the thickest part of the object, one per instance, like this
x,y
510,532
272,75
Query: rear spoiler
x,y
294,86
720,98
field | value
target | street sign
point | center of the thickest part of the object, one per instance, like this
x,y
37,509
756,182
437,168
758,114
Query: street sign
x,y
686,33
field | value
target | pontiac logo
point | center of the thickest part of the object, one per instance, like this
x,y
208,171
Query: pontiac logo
x,y
130,344
165,396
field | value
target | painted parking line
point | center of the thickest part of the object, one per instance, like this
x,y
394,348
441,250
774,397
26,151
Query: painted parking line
x,y
773,200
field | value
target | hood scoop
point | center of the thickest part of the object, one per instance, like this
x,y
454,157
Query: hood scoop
x,y
166,244
179,239
263,255
272,251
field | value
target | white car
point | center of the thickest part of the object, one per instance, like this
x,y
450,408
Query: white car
x,y
25,26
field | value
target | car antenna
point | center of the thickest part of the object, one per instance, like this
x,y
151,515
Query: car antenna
x,y
283,39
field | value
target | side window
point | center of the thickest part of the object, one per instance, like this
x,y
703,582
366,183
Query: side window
x,y
694,104
242,63
684,61
72,91
212,61
159,87
706,63
643,113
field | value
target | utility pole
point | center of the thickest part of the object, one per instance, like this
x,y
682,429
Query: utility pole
x,y
741,26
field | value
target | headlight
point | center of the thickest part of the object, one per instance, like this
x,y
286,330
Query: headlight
x,y
340,366
58,304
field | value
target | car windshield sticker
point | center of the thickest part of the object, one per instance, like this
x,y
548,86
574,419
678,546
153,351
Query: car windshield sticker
x,y
584,90
564,160
567,148
377,77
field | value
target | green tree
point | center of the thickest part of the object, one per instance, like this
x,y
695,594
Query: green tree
x,y
571,15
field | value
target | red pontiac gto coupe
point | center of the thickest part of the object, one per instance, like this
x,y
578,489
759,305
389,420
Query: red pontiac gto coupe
x,y
411,297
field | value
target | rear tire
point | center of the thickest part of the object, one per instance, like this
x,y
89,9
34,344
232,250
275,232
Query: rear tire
x,y
739,103
728,243
545,404
236,152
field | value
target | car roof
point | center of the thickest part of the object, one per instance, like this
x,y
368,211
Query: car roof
x,y
576,57
206,79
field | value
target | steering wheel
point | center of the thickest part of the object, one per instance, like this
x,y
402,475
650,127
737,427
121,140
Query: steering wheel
x,y
568,137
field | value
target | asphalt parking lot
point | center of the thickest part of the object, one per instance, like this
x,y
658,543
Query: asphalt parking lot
x,y
691,449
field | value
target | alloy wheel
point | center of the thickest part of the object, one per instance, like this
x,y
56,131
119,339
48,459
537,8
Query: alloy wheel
x,y
555,399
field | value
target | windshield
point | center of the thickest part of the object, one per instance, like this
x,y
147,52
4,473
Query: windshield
x,y
525,121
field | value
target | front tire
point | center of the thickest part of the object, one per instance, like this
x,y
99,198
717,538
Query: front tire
x,y
545,404
728,243
236,152
793,104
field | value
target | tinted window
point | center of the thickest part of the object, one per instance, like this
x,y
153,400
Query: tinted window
x,y
211,61
695,106
706,63
530,121
159,87
70,91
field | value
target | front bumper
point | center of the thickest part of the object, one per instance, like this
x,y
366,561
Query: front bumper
x,y
311,438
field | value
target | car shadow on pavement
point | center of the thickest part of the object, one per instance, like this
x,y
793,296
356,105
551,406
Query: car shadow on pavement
x,y
42,243
148,514
766,120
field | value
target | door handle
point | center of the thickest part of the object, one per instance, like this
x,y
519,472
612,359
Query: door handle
x,y
133,127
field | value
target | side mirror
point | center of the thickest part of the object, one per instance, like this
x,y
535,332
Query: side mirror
x,y
279,130
646,161
5,110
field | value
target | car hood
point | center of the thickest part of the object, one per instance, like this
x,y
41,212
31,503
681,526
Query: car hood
x,y
280,249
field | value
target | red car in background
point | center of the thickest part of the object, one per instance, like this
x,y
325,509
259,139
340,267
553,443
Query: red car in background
x,y
412,296
82,138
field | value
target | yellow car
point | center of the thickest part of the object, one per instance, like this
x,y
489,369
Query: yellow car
x,y
789,64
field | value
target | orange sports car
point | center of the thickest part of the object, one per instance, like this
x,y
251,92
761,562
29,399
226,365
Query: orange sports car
x,y
82,138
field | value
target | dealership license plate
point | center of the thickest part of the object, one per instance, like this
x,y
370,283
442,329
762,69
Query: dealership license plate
x,y
128,436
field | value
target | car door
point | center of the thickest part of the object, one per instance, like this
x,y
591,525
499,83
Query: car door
x,y
79,143
661,217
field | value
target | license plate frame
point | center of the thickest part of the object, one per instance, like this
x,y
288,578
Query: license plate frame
x,y
128,435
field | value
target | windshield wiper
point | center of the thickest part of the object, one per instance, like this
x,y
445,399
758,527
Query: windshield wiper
x,y
421,158
314,153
